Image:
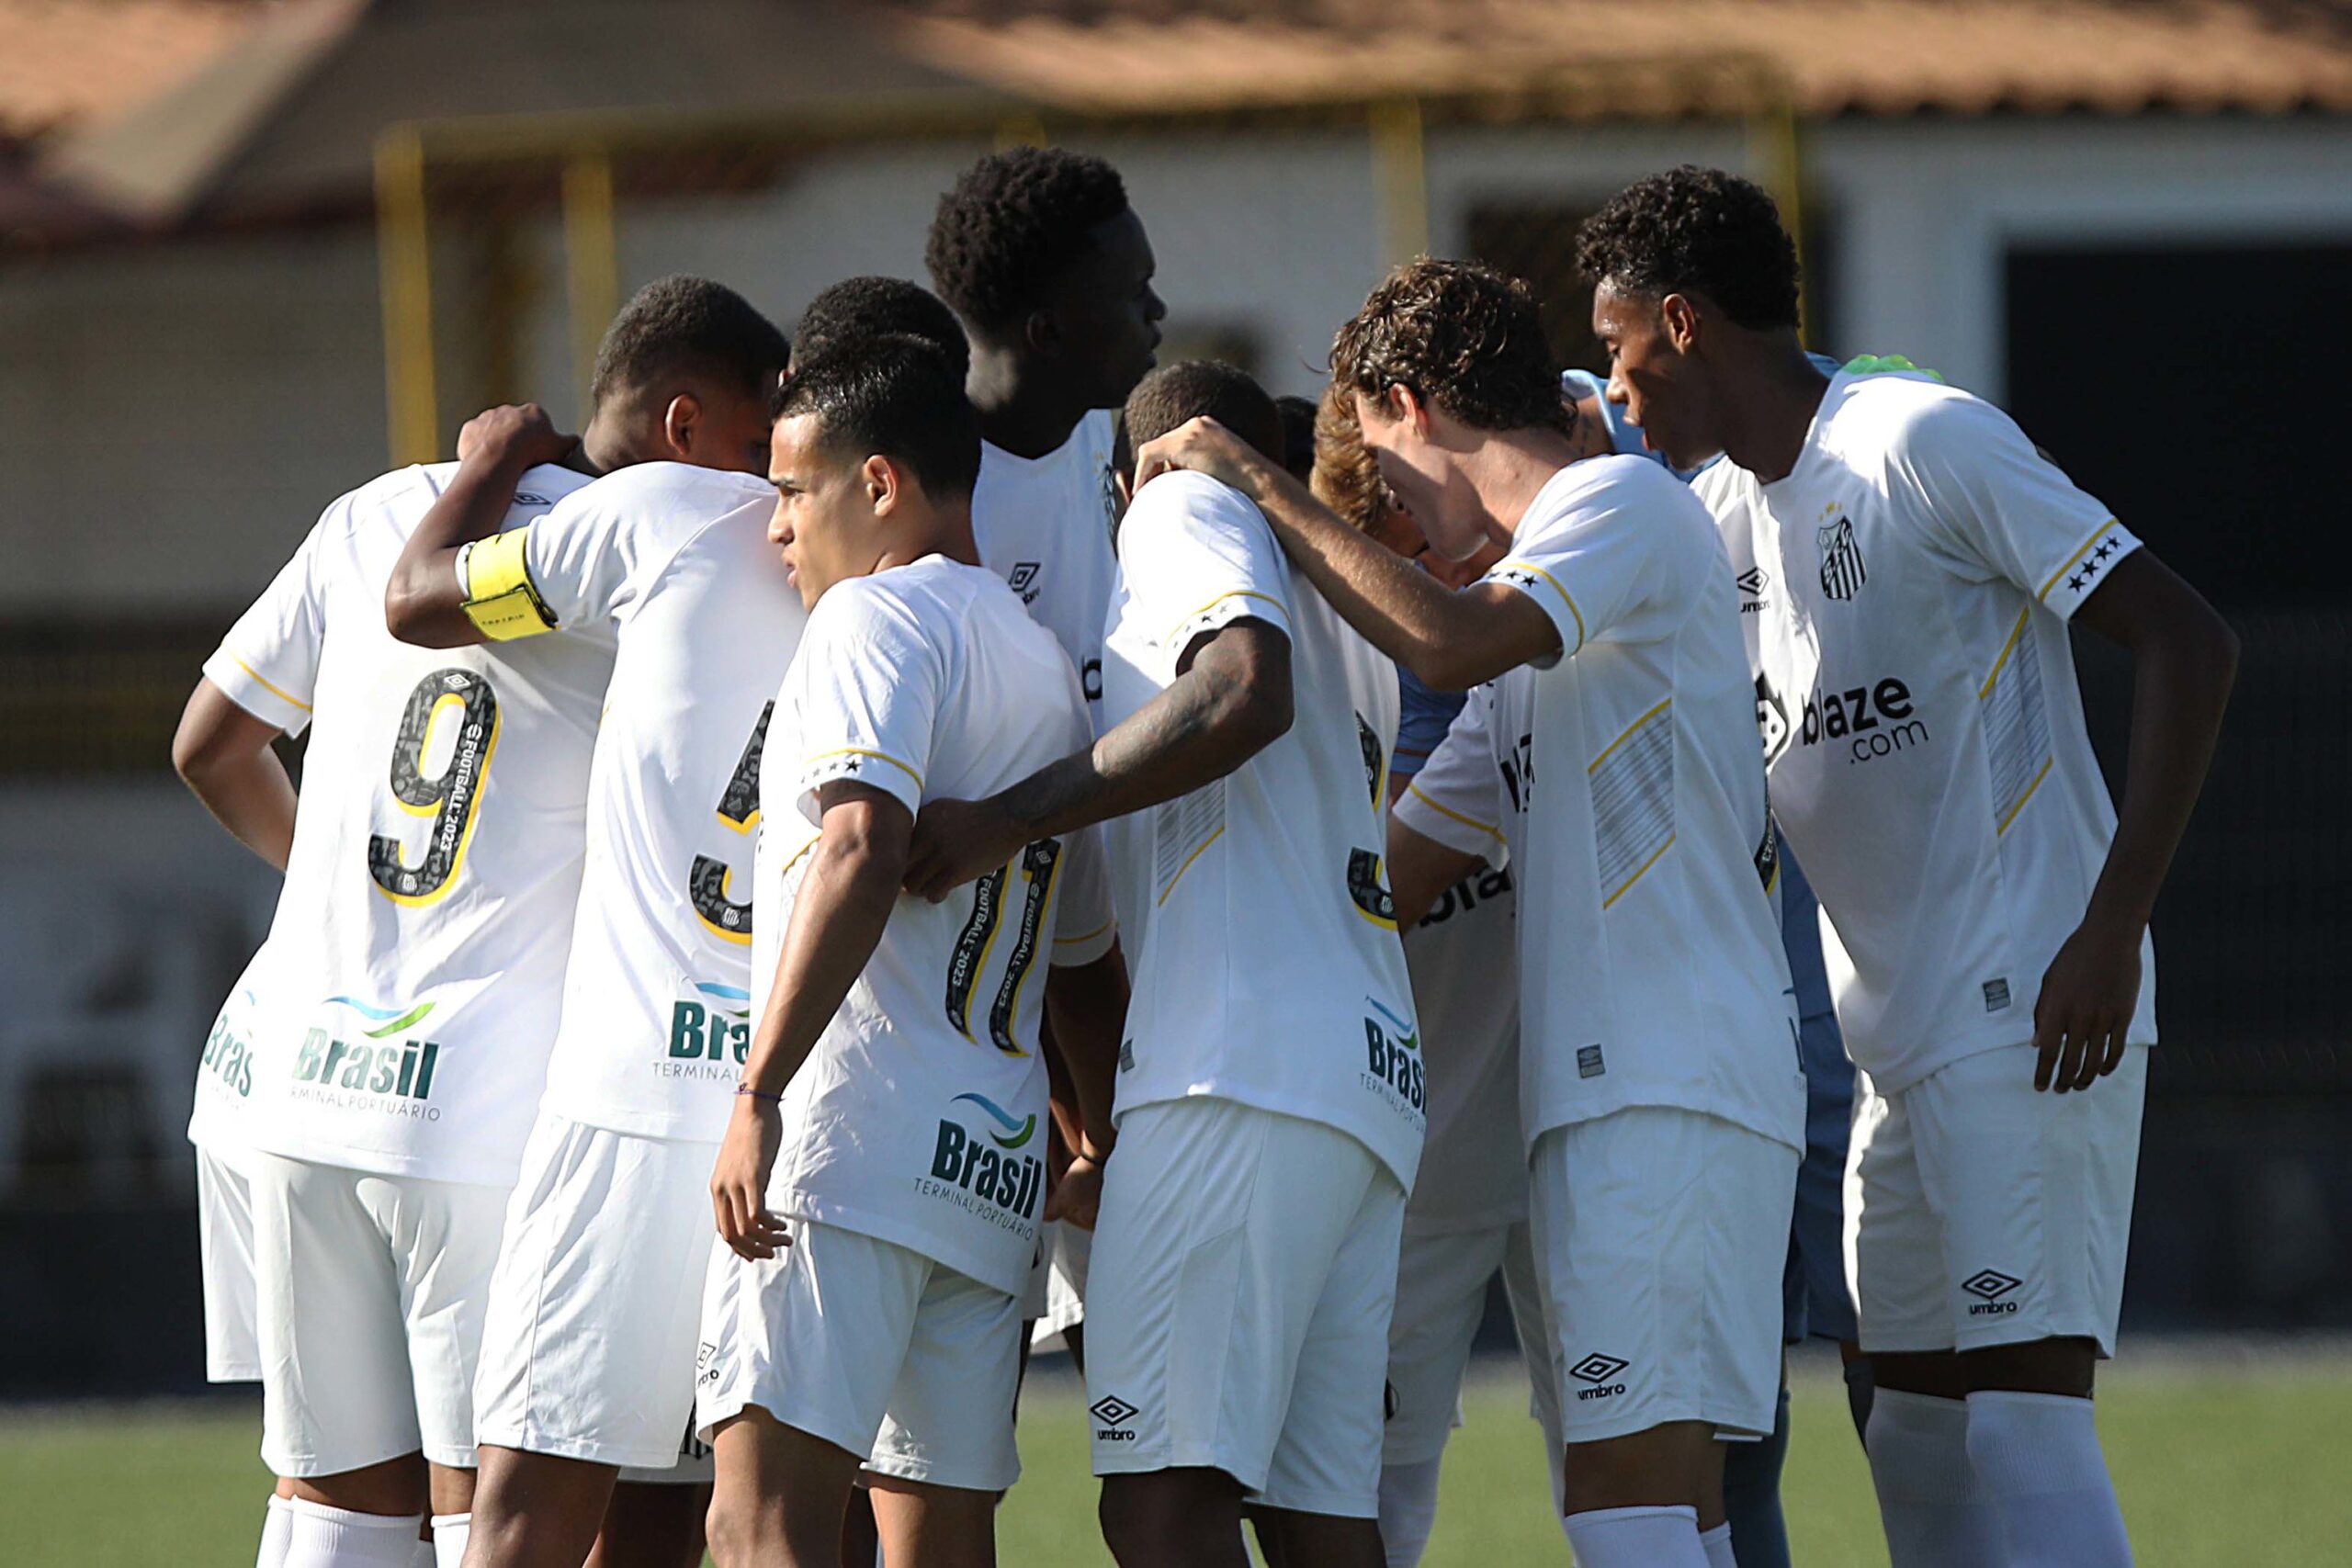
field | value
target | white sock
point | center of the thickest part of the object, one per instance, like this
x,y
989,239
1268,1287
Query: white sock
x,y
1934,1513
1636,1538
337,1537
2037,1457
1716,1544
450,1534
1407,1510
276,1532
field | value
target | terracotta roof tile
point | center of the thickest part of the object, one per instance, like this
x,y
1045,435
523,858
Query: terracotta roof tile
x,y
1838,56
64,62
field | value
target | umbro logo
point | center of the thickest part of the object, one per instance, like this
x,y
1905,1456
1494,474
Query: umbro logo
x,y
1601,1371
1752,584
1023,578
1112,1413
524,498
1990,1286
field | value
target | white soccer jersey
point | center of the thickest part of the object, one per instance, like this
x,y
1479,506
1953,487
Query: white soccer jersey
x,y
1045,525
420,938
1624,784
674,562
1464,964
1261,930
1909,585
225,1073
917,1117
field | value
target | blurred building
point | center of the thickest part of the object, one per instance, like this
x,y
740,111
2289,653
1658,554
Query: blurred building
x,y
2130,223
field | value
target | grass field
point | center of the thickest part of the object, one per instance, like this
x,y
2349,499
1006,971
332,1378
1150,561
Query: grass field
x,y
2219,1461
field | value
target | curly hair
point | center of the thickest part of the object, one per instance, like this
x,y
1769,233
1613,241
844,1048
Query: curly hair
x,y
868,305
1463,336
1174,393
1346,478
1693,230
895,395
1012,224
686,326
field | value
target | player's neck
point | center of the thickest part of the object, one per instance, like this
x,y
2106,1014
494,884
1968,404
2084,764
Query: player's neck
x,y
603,446
1509,469
947,531
1768,398
1021,412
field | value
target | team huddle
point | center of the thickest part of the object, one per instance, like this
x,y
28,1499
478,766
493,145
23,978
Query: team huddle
x,y
937,834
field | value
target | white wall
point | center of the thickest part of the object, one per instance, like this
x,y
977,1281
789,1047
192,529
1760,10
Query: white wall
x,y
172,418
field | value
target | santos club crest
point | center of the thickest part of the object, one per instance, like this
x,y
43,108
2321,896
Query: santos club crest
x,y
1842,560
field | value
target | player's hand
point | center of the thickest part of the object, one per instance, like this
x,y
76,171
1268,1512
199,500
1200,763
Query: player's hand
x,y
738,1183
1200,445
518,434
958,841
2085,1012
1078,1197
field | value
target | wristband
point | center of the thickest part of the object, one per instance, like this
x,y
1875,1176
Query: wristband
x,y
744,1088
1088,1153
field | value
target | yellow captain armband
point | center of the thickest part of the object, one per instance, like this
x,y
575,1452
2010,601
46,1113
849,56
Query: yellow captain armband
x,y
500,600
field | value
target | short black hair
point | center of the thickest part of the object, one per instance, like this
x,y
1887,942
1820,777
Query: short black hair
x,y
1174,393
1693,230
895,395
685,326
1297,415
870,305
1012,224
1463,336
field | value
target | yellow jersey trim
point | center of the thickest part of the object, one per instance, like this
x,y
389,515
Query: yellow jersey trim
x,y
1627,734
1415,790
2078,556
1639,875
1568,598
271,687
1181,870
2007,648
862,752
2036,784
1234,594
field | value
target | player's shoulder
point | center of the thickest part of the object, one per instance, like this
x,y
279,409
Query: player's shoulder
x,y
674,490
1898,413
1181,496
1598,489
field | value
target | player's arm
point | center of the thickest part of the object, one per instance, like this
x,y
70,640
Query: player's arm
x,y
1419,869
1231,701
1087,1005
1449,640
429,601
2184,661
837,919
224,756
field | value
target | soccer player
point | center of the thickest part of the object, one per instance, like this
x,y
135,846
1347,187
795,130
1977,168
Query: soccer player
x,y
1613,761
1050,271
880,1188
1271,1088
413,955
587,1358
1915,565
1466,1219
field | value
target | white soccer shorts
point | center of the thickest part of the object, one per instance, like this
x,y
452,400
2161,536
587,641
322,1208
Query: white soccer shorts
x,y
1068,1250
589,1349
1441,1299
1660,1236
1244,1270
1981,1212
224,1237
371,1292
913,1367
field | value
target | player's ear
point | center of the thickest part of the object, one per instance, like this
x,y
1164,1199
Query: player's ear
x,y
882,481
1679,318
1407,406
1041,331
678,422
